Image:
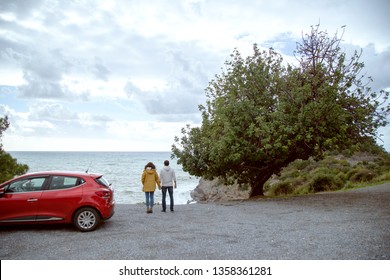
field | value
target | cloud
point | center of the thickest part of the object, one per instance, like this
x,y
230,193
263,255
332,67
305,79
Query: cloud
x,y
181,91
20,8
22,125
70,71
53,120
100,71
57,127
44,72
384,137
377,65
43,79
53,112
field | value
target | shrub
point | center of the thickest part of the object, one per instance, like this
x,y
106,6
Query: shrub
x,y
334,172
349,185
300,164
302,189
361,175
324,182
383,177
281,188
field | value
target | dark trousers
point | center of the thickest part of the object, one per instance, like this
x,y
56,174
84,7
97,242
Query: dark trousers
x,y
164,195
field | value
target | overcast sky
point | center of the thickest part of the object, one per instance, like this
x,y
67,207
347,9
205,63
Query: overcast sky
x,y
128,75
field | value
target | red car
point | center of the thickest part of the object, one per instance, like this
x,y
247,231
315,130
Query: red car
x,y
57,197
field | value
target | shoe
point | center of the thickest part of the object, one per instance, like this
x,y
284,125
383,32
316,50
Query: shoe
x,y
149,211
163,211
172,211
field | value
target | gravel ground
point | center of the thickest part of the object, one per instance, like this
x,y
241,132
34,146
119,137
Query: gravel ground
x,y
348,225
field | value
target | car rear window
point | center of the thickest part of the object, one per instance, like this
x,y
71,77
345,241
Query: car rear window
x,y
65,182
102,181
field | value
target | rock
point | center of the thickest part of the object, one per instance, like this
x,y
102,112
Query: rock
x,y
216,190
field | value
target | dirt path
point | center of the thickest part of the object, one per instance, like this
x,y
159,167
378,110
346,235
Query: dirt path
x,y
343,225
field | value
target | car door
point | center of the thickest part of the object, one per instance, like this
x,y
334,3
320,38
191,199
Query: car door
x,y
19,203
61,198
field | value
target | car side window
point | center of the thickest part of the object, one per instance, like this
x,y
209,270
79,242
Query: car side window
x,y
27,185
64,182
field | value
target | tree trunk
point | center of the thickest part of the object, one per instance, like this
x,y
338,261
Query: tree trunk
x,y
258,184
257,189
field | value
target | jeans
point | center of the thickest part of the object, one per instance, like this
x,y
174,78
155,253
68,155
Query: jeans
x,y
164,195
149,199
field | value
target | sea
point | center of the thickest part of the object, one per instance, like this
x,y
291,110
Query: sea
x,y
122,169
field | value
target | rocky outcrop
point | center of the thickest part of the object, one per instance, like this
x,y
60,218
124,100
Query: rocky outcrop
x,y
216,190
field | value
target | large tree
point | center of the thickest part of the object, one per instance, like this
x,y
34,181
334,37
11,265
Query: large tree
x,y
9,167
261,113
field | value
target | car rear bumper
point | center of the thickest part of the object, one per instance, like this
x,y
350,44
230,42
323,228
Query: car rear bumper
x,y
110,211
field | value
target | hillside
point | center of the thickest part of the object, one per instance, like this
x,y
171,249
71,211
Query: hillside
x,y
334,172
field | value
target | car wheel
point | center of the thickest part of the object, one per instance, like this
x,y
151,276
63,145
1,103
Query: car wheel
x,y
86,219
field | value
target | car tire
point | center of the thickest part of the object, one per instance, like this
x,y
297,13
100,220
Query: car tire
x,y
86,219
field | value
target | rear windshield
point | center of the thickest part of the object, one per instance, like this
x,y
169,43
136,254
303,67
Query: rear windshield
x,y
102,181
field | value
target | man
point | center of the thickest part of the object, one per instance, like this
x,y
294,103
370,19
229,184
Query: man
x,y
168,182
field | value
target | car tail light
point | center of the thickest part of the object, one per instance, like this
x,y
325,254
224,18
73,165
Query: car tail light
x,y
104,194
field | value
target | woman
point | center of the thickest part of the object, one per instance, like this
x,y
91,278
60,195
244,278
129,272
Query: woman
x,y
149,180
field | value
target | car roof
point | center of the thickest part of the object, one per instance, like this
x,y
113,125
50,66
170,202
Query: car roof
x,y
63,173
58,173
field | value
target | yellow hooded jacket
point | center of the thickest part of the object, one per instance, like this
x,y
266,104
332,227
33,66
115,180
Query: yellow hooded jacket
x,y
149,180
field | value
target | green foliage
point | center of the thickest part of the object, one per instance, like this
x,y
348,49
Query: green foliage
x,y
284,188
384,177
361,175
4,124
262,114
334,172
325,182
9,167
